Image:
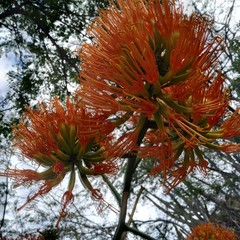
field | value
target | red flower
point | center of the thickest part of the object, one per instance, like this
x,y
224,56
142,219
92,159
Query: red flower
x,y
61,139
147,60
207,231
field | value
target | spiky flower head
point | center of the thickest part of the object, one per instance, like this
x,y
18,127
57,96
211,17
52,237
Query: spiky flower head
x,y
61,140
147,60
211,231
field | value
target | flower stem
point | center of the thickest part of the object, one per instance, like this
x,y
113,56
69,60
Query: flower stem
x,y
131,167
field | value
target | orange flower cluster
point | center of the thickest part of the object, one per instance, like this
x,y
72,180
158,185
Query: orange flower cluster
x,y
148,68
210,231
149,62
62,140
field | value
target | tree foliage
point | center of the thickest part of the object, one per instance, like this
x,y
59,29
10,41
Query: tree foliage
x,y
41,38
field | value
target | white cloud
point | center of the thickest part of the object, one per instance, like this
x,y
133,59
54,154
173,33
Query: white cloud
x,y
187,6
5,66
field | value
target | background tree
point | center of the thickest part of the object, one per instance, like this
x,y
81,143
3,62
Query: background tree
x,y
42,38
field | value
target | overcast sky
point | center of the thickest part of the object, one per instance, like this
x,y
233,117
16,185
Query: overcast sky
x,y
5,66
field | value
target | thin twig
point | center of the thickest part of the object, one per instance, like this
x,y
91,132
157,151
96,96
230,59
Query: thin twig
x,y
139,233
113,189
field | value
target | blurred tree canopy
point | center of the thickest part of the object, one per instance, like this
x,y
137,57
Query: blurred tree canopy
x,y
41,38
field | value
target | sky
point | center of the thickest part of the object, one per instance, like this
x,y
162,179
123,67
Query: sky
x,y
6,64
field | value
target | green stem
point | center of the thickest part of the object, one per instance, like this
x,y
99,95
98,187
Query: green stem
x,y
131,167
